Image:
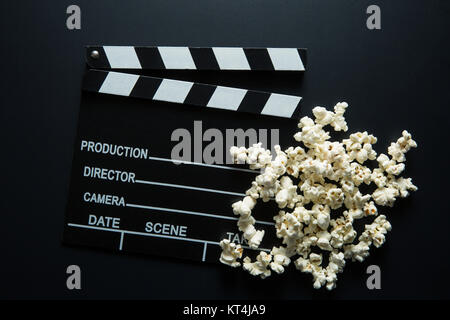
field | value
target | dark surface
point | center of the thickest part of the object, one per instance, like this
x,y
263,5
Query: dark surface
x,y
393,79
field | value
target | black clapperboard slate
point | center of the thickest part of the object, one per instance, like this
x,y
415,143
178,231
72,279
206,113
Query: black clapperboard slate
x,y
138,200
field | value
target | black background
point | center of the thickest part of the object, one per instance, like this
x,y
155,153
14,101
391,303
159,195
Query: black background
x,y
395,78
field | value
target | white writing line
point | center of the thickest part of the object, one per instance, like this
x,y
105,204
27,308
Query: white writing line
x,y
202,164
171,185
139,233
76,225
121,241
247,247
204,251
191,212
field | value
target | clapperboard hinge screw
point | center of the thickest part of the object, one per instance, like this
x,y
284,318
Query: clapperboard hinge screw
x,y
95,54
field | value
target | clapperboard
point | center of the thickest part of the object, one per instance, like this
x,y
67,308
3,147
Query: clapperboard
x,y
127,192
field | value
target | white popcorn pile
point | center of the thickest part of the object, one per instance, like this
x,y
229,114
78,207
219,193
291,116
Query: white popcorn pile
x,y
329,175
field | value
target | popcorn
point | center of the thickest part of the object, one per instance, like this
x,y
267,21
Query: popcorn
x,y
280,259
288,225
255,240
359,146
311,190
370,209
259,267
322,215
303,248
342,232
316,167
359,138
398,149
390,166
333,152
348,187
337,262
239,155
385,196
287,194
378,177
335,266
355,203
329,175
230,253
258,157
323,241
244,207
294,157
357,252
253,236
312,265
335,119
311,133
338,122
375,232
323,116
403,186
335,198
255,156
360,174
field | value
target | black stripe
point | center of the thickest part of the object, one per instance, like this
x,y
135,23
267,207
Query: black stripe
x,y
145,87
297,112
302,53
254,101
200,94
204,58
93,80
149,58
97,63
258,59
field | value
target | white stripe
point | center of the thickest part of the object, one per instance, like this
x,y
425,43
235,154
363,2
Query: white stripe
x,y
209,215
119,83
177,58
286,59
231,58
121,241
280,105
152,235
202,164
204,251
226,98
173,90
171,185
122,57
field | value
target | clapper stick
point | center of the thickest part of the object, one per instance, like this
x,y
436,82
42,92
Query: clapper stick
x,y
195,58
127,194
191,93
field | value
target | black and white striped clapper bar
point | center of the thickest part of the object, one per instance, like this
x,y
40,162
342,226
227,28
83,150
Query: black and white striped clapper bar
x,y
106,76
